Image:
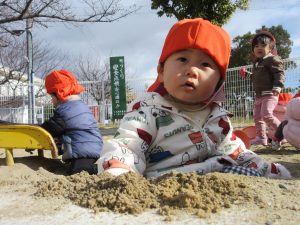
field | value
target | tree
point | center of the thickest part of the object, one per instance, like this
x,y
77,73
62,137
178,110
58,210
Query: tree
x,y
12,12
13,66
14,63
241,50
218,12
283,42
97,72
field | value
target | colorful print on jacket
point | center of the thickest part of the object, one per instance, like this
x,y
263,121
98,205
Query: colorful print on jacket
x,y
155,136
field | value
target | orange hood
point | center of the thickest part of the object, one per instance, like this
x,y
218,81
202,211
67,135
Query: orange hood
x,y
63,84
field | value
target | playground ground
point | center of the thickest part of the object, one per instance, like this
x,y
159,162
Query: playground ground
x,y
279,199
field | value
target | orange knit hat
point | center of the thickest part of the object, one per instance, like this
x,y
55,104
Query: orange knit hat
x,y
63,84
199,34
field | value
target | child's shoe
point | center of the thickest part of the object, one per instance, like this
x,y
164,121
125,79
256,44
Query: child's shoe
x,y
276,145
259,141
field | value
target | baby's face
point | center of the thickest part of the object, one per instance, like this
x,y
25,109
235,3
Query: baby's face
x,y
261,50
190,76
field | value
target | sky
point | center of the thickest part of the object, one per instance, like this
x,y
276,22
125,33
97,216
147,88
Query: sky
x,y
140,36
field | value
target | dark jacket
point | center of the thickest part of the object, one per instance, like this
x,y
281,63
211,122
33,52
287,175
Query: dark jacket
x,y
74,120
268,75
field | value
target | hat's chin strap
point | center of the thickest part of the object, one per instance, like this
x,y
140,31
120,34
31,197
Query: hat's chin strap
x,y
218,96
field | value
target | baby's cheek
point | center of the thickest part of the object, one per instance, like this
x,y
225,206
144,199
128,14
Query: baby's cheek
x,y
207,88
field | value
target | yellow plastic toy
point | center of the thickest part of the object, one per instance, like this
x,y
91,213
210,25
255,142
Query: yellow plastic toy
x,y
16,136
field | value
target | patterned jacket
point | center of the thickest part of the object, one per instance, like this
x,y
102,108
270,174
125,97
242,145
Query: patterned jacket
x,y
156,136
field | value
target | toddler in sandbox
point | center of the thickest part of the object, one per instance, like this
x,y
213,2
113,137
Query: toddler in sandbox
x,y
180,125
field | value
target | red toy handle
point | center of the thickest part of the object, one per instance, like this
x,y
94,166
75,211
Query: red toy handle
x,y
243,72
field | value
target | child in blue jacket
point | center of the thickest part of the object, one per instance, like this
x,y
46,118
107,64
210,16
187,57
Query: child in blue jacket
x,y
72,124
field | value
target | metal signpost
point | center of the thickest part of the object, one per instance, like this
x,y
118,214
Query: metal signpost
x,y
31,95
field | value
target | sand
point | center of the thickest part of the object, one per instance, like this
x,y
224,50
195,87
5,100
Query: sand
x,y
36,191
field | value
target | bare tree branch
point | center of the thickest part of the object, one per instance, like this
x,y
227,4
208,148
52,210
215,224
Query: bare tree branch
x,y
13,63
96,71
12,12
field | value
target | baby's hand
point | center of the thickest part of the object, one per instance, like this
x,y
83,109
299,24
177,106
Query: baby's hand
x,y
116,171
115,167
275,93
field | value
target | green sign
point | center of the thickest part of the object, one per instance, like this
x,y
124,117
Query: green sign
x,y
118,90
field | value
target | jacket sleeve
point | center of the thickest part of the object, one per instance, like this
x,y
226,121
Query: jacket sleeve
x,y
277,71
236,154
125,152
221,133
55,125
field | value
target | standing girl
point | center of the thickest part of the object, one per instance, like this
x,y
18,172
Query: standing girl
x,y
268,81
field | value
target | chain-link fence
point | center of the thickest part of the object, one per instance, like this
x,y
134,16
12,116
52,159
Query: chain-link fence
x,y
239,97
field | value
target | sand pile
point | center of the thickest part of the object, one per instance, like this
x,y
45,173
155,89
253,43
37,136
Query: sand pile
x,y
36,190
131,193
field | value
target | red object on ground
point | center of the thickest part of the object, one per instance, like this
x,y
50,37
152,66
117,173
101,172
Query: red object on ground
x,y
244,137
250,131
